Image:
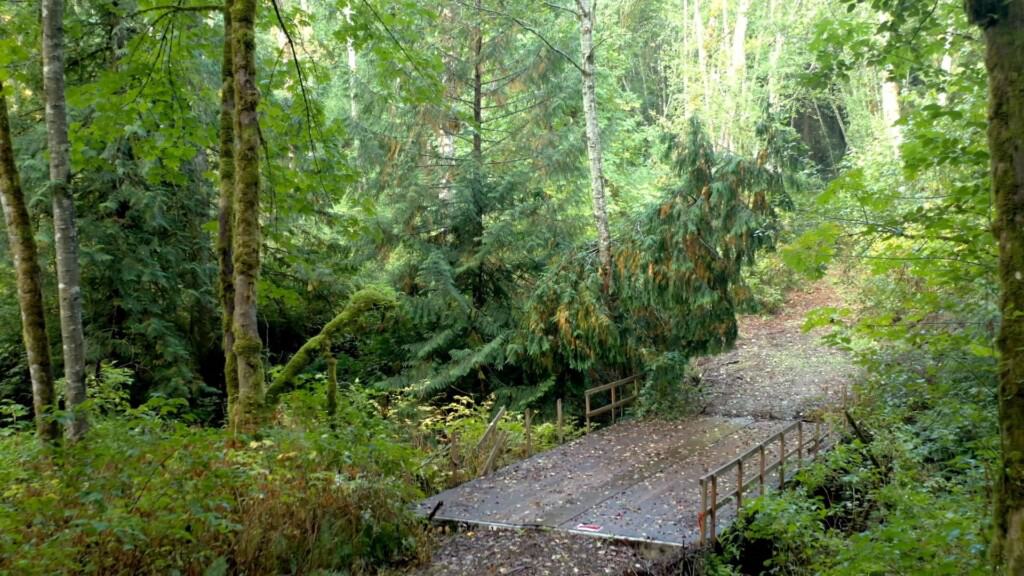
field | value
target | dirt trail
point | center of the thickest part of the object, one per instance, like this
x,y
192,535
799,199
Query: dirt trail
x,y
776,371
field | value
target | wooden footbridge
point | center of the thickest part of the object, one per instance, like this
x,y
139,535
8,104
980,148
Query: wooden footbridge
x,y
669,483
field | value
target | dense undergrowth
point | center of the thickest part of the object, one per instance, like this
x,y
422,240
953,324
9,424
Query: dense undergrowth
x,y
149,493
912,496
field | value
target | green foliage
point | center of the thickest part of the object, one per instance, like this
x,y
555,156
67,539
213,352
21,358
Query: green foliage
x,y
148,495
766,284
454,431
677,264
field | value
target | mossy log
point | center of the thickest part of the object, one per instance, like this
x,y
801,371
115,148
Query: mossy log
x,y
362,302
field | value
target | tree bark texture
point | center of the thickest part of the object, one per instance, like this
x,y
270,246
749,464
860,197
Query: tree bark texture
x,y
246,227
587,9
225,208
1003,22
65,233
30,291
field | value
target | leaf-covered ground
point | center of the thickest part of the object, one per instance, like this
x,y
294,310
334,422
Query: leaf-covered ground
x,y
778,370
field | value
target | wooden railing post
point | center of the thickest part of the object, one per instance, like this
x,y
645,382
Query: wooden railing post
x,y
587,397
527,417
761,476
702,515
613,404
782,459
817,438
739,485
799,444
558,420
714,507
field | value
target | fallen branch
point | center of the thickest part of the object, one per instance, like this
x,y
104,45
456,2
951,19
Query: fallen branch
x,y
361,302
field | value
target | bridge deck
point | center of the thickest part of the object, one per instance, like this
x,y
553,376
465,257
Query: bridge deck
x,y
633,480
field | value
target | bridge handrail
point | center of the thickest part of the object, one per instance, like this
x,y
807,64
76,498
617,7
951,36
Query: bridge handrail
x,y
615,403
709,506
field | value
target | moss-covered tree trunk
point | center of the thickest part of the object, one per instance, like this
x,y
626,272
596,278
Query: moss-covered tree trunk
x,y
30,292
226,212
1003,22
65,233
246,229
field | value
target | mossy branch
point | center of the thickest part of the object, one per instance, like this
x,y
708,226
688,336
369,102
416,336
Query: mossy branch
x,y
359,304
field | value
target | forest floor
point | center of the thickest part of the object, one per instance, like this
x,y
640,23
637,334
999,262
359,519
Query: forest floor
x,y
776,371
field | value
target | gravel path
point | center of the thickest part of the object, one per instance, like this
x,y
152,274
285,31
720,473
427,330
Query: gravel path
x,y
777,370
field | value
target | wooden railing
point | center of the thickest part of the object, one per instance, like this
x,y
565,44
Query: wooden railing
x,y
617,400
712,501
492,443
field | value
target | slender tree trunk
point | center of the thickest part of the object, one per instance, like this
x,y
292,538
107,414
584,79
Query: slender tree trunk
x,y
478,95
891,111
332,386
225,208
1004,36
450,121
587,13
702,52
353,108
30,292
65,234
478,152
246,229
739,41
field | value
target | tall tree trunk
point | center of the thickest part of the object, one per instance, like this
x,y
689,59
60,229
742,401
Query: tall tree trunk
x,y
65,234
478,153
353,107
739,41
587,13
478,95
246,229
225,208
30,292
450,121
702,53
1004,37
891,111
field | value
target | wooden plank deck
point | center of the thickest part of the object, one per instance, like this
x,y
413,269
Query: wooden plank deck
x,y
632,481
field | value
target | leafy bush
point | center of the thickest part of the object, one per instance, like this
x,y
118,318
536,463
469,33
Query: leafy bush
x,y
912,500
767,283
780,534
146,494
453,432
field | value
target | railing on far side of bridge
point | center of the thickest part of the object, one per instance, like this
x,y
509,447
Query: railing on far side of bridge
x,y
806,448
618,401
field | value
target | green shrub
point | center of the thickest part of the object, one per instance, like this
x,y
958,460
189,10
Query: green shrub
x,y
147,495
453,431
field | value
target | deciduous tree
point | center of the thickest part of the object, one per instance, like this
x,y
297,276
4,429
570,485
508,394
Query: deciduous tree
x,y
1003,24
30,292
65,231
